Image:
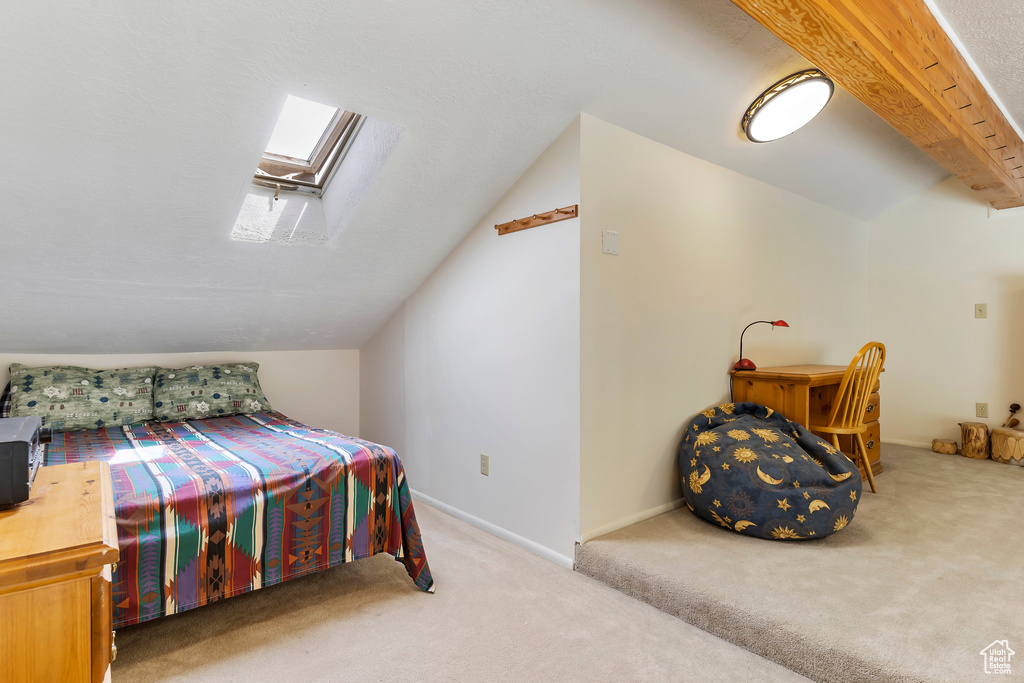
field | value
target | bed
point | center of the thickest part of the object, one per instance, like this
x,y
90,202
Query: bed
x,y
212,508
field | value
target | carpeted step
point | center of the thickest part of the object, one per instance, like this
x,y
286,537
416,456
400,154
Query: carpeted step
x,y
912,590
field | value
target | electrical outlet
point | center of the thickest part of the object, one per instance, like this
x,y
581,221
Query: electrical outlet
x,y
980,310
485,465
981,409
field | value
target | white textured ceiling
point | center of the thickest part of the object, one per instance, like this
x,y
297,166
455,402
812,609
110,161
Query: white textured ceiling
x,y
129,132
992,33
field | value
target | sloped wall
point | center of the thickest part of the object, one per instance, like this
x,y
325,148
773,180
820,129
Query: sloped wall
x,y
484,359
702,252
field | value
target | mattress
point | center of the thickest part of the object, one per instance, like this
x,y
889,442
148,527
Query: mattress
x,y
209,509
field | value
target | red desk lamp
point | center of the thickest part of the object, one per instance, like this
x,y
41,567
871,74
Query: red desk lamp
x,y
743,363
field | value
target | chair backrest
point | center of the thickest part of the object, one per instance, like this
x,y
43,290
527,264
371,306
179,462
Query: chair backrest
x,y
857,386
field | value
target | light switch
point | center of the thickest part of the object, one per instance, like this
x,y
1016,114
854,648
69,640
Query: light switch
x,y
610,242
980,310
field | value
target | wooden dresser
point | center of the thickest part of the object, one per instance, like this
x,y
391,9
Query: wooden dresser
x,y
56,552
804,394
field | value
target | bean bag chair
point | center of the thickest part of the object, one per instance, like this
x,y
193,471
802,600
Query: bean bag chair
x,y
749,469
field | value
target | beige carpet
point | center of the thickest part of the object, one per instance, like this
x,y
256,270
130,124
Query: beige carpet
x,y
930,572
499,614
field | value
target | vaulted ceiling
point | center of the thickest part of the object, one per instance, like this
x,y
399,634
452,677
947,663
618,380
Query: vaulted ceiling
x,y
130,132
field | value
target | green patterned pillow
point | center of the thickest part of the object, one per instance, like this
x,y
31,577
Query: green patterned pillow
x,y
69,398
201,391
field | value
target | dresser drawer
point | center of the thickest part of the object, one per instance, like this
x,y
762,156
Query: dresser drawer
x,y
102,615
45,633
55,606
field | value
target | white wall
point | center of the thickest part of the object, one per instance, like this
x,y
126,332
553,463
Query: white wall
x,y
382,387
702,252
484,359
320,388
932,258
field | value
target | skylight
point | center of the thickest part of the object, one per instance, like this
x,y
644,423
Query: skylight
x,y
308,141
300,128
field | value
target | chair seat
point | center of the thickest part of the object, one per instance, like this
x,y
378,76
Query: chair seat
x,y
839,430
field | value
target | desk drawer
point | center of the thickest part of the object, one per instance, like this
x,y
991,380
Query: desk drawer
x,y
874,409
873,441
822,399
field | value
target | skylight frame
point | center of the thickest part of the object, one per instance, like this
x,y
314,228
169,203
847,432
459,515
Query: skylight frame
x,y
332,132
311,175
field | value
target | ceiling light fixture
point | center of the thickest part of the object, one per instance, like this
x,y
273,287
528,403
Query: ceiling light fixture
x,y
787,106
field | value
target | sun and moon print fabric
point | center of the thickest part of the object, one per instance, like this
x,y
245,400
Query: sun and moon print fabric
x,y
751,470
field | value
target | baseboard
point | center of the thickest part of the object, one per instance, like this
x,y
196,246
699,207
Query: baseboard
x,y
504,534
908,442
631,520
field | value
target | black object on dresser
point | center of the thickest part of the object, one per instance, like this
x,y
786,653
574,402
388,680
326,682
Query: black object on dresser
x,y
21,454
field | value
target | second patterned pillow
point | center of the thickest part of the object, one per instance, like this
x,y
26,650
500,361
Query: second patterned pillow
x,y
200,391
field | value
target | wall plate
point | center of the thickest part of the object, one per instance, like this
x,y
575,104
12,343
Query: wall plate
x,y
610,242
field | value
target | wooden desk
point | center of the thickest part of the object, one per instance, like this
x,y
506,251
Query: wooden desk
x,y
56,549
804,394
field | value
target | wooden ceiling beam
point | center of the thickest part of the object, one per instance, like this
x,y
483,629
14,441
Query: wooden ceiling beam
x,y
894,57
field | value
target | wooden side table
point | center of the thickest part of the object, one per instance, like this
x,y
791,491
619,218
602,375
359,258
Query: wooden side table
x,y
56,551
804,394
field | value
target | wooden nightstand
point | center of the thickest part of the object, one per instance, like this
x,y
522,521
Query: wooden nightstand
x,y
56,551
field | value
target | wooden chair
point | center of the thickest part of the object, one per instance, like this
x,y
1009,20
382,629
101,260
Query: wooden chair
x,y
852,400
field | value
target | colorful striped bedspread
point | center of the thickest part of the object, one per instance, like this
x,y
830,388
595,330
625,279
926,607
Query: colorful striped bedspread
x,y
213,508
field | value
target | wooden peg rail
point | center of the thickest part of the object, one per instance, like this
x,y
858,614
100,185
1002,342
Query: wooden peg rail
x,y
565,213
